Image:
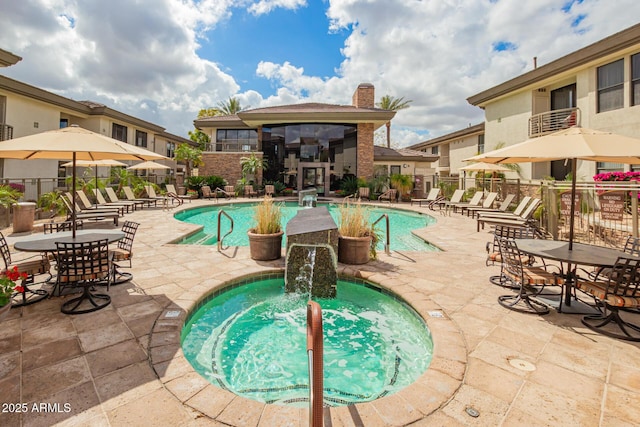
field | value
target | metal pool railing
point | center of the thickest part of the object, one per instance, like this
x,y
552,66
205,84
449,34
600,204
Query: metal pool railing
x,y
315,352
220,239
387,241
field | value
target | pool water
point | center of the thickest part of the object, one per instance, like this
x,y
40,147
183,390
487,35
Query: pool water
x,y
400,222
251,340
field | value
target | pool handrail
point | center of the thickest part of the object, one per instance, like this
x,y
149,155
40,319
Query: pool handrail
x,y
220,239
387,242
316,373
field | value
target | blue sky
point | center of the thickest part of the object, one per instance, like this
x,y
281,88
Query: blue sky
x,y
298,36
164,60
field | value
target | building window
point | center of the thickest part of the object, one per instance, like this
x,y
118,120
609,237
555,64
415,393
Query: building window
x,y
64,123
119,132
635,79
236,140
602,167
141,139
434,150
171,149
480,144
395,169
611,86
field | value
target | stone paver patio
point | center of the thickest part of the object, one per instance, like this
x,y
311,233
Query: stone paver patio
x,y
122,366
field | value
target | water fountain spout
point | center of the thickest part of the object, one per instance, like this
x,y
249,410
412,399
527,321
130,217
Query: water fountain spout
x,y
312,246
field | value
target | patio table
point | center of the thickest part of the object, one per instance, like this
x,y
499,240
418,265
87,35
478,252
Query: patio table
x,y
581,254
47,242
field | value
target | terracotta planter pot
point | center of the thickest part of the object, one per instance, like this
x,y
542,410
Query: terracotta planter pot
x,y
353,250
265,247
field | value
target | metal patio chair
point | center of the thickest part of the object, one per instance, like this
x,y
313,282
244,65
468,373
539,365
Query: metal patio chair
x,y
83,264
123,253
32,266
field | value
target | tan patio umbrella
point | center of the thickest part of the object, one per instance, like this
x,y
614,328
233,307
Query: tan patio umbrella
x,y
73,143
149,165
574,143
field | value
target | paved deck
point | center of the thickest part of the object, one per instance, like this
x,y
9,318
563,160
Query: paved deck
x,y
121,366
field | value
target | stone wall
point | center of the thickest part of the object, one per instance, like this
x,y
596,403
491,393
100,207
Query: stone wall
x,y
364,96
226,165
365,150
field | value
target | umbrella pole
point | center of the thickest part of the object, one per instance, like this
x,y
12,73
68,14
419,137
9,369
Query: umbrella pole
x,y
574,163
73,198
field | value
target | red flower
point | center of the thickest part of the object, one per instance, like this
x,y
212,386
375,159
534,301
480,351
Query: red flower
x,y
19,288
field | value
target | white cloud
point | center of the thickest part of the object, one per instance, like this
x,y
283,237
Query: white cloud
x,y
144,58
265,6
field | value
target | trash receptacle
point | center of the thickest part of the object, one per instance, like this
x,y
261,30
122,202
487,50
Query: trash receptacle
x,y
23,216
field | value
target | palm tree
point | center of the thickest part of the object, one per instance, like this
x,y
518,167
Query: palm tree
x,y
391,103
252,164
190,155
229,107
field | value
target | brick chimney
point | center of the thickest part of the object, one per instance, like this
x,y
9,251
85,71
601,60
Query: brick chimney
x,y
364,96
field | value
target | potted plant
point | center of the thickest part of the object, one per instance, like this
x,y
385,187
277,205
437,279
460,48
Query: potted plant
x,y
265,238
8,287
357,239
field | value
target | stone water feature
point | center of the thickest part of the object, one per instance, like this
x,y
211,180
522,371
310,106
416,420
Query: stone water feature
x,y
312,245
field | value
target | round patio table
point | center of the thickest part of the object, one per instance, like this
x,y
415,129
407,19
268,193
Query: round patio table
x,y
581,254
47,243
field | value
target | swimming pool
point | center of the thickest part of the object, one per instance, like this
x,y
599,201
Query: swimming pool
x,y
251,339
400,222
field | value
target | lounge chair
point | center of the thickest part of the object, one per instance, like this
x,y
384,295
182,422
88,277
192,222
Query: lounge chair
x,y
389,195
475,201
456,197
363,193
249,191
84,204
269,190
516,213
111,194
151,193
171,191
502,208
94,215
434,195
488,202
515,221
128,192
207,193
128,206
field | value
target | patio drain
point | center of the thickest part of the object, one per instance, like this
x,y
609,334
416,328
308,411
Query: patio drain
x,y
522,365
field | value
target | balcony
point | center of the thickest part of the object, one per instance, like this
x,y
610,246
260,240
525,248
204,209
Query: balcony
x,y
6,132
551,121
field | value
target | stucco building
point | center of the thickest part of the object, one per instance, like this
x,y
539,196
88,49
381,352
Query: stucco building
x,y
596,87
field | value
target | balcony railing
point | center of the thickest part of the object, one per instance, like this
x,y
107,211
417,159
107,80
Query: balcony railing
x,y
551,121
6,132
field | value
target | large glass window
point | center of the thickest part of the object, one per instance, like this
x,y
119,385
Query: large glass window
x,y
119,132
236,140
635,79
285,146
611,86
481,143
